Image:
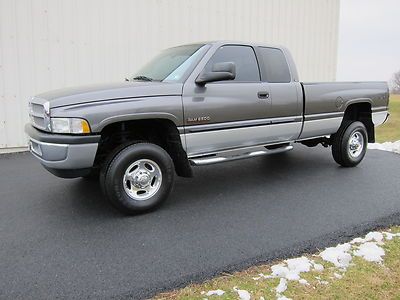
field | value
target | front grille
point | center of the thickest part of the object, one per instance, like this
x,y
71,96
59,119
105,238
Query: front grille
x,y
37,114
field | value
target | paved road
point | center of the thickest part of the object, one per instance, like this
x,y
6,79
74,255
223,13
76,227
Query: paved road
x,y
59,238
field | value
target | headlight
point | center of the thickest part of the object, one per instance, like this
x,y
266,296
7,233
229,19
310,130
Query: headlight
x,y
69,125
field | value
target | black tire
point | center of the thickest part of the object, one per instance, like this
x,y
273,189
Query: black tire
x,y
114,185
340,143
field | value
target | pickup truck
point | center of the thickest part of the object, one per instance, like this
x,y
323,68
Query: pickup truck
x,y
195,105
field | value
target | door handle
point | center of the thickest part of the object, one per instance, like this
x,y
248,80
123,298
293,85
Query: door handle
x,y
263,95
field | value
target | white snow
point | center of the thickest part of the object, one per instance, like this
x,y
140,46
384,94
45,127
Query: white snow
x,y
298,265
282,286
304,282
294,267
279,270
370,251
281,297
367,247
338,276
338,255
387,146
389,236
374,236
357,241
216,292
318,267
243,294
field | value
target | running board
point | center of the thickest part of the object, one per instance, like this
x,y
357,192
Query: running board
x,y
236,155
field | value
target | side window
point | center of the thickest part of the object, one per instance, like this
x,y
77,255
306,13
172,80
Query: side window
x,y
274,65
244,59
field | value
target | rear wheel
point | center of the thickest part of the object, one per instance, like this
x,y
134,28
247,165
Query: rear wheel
x,y
138,178
349,144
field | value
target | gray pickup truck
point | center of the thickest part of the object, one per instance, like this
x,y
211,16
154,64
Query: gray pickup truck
x,y
196,105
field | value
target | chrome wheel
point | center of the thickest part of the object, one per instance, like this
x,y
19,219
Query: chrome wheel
x,y
142,179
356,144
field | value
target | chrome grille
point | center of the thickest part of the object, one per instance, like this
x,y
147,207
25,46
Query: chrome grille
x,y
37,114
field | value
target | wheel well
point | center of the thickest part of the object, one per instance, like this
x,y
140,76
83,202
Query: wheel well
x,y
361,112
161,132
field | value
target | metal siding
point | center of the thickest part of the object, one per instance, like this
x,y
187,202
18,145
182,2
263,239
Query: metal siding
x,y
49,44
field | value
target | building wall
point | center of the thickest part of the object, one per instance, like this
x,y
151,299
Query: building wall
x,y
48,44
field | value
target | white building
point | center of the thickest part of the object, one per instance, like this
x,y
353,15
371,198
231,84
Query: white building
x,y
49,44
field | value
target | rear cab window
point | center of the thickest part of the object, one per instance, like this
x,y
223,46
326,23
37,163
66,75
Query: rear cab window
x,y
273,64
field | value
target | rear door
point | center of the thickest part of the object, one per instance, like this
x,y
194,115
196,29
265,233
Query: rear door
x,y
227,114
285,93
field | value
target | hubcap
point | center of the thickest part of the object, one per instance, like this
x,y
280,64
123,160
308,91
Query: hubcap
x,y
356,144
142,179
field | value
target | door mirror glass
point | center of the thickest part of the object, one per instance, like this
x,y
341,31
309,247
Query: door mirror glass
x,y
220,71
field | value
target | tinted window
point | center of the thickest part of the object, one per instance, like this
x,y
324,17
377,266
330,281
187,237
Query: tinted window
x,y
244,59
274,65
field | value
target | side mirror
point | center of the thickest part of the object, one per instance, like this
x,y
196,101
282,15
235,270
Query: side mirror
x,y
220,71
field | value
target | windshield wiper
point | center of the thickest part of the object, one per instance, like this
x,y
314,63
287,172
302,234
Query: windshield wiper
x,y
142,77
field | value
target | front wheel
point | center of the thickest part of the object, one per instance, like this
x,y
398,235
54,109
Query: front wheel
x,y
138,178
349,144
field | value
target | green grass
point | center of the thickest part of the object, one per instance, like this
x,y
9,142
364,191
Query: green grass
x,y
390,131
362,280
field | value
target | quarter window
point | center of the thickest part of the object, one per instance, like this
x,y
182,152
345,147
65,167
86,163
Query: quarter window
x,y
244,59
274,65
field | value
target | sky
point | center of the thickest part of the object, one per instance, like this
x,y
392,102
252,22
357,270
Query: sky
x,y
369,40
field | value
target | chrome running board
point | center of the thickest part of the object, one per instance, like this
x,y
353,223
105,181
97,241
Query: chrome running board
x,y
236,154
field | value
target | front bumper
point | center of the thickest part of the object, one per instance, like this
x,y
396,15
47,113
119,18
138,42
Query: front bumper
x,y
65,156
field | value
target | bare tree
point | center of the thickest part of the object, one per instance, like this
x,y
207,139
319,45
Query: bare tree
x,y
395,83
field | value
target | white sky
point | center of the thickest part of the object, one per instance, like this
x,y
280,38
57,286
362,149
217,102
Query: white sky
x,y
369,40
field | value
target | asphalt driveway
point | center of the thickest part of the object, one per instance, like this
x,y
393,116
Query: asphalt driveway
x,y
59,238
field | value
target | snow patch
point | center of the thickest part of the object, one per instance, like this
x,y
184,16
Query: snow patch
x,y
370,251
374,236
298,265
357,241
387,146
216,292
338,276
318,267
294,267
282,286
243,294
389,236
338,255
303,282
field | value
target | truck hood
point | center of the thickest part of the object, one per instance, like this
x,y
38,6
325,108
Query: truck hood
x,y
102,92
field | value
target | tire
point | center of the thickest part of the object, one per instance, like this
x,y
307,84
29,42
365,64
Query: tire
x,y
138,178
349,144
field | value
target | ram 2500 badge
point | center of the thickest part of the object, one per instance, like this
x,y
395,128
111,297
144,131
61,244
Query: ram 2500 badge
x,y
195,105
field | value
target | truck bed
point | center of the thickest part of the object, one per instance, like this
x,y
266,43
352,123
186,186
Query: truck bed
x,y
324,103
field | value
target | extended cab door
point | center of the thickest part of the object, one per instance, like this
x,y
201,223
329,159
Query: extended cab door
x,y
226,114
286,94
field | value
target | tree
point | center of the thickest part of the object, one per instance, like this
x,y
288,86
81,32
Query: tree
x,y
395,83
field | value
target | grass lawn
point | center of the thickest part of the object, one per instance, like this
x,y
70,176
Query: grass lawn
x,y
390,131
362,280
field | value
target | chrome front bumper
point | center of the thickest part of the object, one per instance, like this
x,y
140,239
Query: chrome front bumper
x,y
63,155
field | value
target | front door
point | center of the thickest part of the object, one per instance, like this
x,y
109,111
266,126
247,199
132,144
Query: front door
x,y
227,114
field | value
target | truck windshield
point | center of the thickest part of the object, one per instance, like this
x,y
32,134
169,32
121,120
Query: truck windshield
x,y
170,65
